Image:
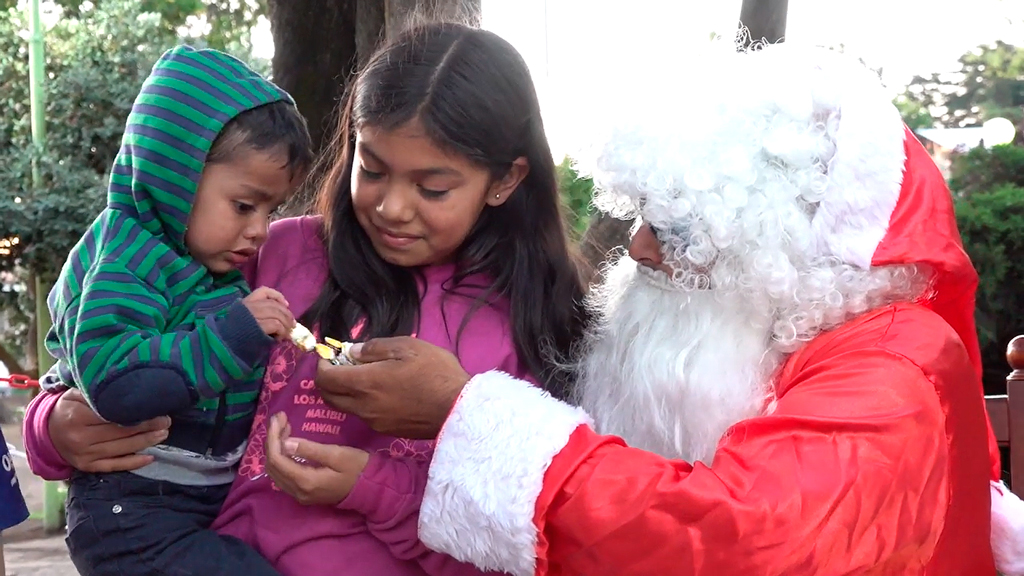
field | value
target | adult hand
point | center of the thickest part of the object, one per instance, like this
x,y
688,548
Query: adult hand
x,y
91,444
402,387
329,484
270,309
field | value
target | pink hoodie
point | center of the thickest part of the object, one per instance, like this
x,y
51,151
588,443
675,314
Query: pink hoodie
x,y
373,531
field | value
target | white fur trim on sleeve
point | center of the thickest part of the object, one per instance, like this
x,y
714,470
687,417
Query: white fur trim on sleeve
x,y
488,469
1007,530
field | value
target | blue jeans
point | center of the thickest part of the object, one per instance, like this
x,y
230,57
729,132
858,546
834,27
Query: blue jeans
x,y
122,524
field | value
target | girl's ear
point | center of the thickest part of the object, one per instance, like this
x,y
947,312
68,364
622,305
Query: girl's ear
x,y
500,190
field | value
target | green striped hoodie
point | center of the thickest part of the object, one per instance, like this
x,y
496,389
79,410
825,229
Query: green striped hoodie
x,y
138,325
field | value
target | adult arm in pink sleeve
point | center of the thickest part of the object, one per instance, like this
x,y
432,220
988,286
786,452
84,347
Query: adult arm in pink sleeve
x,y
388,493
43,458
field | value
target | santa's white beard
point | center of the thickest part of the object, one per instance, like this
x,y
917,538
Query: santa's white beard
x,y
669,370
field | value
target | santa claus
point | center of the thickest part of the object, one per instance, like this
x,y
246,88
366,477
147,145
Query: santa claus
x,y
784,378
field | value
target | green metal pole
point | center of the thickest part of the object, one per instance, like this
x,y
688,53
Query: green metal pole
x,y
53,497
36,77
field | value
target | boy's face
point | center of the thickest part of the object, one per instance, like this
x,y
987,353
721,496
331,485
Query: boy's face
x,y
233,206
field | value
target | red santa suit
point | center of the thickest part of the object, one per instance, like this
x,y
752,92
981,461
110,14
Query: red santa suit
x,y
878,457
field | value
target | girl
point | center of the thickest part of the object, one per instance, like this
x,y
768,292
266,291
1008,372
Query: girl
x,y
439,218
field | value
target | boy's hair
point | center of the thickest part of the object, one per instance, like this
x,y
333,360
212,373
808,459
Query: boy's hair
x,y
267,127
473,94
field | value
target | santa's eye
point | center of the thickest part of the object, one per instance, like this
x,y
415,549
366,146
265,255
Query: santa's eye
x,y
665,234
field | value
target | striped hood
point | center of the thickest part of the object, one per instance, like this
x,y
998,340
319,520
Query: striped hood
x,y
184,104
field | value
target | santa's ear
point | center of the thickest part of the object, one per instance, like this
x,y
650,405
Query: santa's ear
x,y
866,171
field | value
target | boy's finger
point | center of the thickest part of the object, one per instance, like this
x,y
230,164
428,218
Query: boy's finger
x,y
282,315
275,328
274,295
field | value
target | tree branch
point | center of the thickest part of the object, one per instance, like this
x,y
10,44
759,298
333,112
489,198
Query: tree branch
x,y
13,366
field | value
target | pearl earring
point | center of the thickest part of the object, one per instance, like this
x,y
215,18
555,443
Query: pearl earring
x,y
497,196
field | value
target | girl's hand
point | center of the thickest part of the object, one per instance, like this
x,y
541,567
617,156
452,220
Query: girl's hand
x,y
326,485
270,310
91,444
404,387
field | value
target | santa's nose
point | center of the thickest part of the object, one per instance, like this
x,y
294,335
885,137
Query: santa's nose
x,y
645,248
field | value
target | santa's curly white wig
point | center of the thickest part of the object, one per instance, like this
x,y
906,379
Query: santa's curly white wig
x,y
761,182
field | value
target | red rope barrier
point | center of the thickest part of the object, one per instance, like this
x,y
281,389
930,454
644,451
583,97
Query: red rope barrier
x,y
19,381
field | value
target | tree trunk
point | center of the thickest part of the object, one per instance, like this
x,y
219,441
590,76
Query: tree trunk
x,y
314,54
603,235
398,13
12,364
318,44
371,23
765,20
31,339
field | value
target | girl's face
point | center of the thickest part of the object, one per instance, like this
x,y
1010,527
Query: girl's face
x,y
416,202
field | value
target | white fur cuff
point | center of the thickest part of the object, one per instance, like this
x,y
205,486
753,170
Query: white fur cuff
x,y
1007,530
488,470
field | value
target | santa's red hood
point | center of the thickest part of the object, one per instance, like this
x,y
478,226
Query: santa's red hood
x,y
922,230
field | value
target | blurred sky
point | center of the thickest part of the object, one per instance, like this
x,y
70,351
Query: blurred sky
x,y
575,47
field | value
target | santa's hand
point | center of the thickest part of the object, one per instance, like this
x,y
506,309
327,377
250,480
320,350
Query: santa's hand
x,y
402,386
325,485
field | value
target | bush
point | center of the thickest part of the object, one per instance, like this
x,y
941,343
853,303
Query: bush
x,y
991,223
576,195
97,56
985,168
95,65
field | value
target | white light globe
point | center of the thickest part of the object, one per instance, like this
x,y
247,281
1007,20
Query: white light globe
x,y
998,131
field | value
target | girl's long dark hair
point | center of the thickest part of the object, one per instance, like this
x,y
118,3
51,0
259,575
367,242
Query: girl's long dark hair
x,y
473,94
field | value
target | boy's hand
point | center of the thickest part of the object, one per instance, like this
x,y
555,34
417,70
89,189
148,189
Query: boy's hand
x,y
329,484
270,310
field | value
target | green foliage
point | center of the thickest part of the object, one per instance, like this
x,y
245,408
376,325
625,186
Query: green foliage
x,y
576,195
989,190
95,65
989,84
17,313
229,21
983,169
914,115
992,226
49,222
97,56
230,24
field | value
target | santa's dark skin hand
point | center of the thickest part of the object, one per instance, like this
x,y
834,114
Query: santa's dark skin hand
x,y
402,387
